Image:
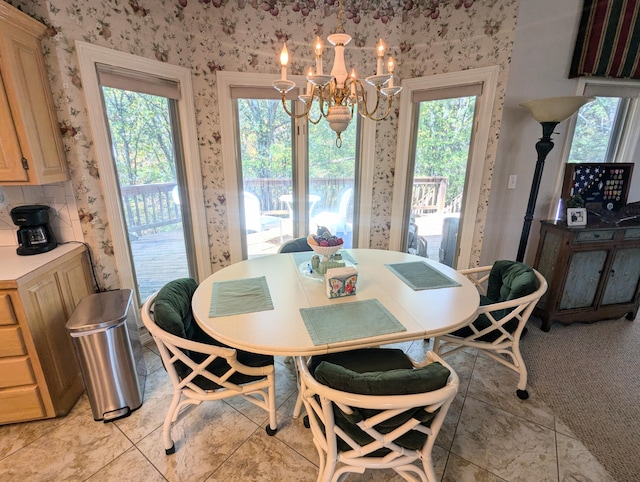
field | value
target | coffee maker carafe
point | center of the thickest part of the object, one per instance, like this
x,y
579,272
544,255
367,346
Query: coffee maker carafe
x,y
35,235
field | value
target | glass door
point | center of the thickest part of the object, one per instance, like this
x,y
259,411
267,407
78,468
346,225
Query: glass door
x,y
147,155
281,164
332,180
441,155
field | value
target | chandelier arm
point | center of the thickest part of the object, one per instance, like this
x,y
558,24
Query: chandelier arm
x,y
321,100
362,101
291,114
384,116
314,122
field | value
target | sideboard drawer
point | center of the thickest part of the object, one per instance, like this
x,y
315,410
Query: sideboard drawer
x,y
594,236
11,343
632,233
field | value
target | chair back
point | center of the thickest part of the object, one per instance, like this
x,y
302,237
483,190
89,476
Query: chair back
x,y
345,200
357,431
296,245
252,212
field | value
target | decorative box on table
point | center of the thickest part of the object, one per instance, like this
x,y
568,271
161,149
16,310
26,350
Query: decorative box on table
x,y
341,281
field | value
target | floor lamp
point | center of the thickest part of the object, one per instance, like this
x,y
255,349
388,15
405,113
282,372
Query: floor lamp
x,y
549,112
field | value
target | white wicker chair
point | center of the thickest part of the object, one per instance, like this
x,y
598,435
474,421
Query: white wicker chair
x,y
196,381
387,423
501,322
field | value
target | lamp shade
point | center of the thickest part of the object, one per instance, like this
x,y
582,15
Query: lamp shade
x,y
555,109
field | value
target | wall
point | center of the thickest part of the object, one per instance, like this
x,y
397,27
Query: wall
x,y
542,52
207,36
59,197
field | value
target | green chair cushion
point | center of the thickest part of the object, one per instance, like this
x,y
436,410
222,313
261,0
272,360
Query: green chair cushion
x,y
365,360
508,280
401,381
172,313
395,377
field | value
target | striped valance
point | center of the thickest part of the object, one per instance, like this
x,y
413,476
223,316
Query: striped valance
x,y
608,41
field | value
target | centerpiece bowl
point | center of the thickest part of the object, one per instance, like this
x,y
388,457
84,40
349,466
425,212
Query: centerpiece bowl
x,y
326,251
325,245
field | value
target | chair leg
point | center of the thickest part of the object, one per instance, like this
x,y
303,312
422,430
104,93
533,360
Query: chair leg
x,y
522,392
169,446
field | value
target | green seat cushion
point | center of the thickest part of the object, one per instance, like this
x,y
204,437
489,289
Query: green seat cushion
x,y
398,379
172,313
508,280
365,360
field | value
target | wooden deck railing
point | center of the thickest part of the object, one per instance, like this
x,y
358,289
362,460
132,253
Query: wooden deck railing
x,y
149,206
429,194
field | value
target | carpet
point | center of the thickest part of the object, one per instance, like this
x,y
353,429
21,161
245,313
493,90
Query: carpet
x,y
589,375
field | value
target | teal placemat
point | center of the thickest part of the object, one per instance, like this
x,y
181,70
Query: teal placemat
x,y
421,276
240,296
349,321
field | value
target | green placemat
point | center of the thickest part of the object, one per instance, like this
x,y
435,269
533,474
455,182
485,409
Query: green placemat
x,y
421,276
349,321
240,296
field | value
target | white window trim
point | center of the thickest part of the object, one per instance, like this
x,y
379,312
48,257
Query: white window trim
x,y
488,77
88,56
628,140
226,80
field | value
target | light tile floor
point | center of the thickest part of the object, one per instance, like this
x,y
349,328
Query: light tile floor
x,y
489,435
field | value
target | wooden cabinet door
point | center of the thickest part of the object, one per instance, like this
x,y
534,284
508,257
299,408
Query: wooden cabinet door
x,y
28,92
623,279
583,278
10,153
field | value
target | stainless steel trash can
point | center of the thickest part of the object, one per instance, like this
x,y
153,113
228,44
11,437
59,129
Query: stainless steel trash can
x,y
107,342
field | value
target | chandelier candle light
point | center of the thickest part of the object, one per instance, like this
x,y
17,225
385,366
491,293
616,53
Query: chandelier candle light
x,y
339,93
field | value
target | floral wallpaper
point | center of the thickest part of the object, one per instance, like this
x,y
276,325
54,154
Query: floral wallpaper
x,y
425,37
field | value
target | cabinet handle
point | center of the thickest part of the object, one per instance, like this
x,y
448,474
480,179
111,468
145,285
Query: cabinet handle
x,y
596,235
613,273
25,164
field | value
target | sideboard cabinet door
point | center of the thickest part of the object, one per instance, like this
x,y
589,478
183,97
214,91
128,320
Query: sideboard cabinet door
x,y
624,277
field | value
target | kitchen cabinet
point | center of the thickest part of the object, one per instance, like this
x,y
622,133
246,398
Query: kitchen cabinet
x,y
31,150
593,272
39,372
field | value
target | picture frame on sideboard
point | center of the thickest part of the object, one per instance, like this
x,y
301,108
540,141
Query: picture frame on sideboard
x,y
576,217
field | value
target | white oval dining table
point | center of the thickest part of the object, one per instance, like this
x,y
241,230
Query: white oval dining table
x,y
282,331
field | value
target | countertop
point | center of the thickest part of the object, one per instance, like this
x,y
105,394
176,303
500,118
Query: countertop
x,y
13,267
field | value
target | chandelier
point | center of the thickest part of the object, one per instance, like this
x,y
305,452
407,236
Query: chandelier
x,y
340,93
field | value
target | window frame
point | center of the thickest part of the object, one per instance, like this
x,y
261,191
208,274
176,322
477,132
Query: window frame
x,y
88,56
226,81
627,133
488,77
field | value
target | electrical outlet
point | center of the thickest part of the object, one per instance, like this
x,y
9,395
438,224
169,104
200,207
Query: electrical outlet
x,y
512,181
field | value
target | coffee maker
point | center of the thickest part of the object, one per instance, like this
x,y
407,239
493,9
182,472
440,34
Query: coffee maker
x,y
35,235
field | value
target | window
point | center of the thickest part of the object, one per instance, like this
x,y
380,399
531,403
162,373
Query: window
x,y
437,182
125,72
284,176
603,128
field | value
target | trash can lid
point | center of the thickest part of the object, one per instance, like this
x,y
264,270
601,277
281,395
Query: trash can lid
x,y
100,311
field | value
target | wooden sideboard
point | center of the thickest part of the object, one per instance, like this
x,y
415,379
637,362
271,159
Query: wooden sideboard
x,y
593,272
39,373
